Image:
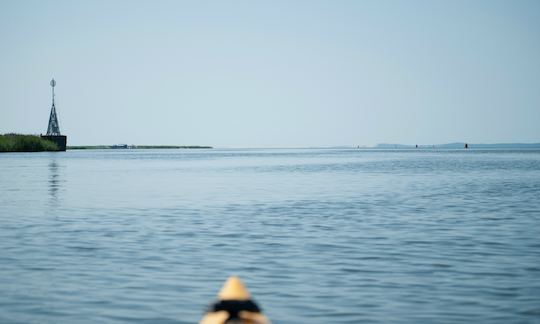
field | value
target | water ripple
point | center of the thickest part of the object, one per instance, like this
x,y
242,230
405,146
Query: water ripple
x,y
339,236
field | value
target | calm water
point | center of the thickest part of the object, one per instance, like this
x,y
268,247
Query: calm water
x,y
319,236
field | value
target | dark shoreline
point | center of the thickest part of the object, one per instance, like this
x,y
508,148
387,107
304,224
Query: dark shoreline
x,y
26,143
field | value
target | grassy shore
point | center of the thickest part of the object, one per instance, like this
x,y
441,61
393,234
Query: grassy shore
x,y
107,147
25,143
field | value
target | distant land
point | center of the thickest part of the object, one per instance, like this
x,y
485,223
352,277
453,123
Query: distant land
x,y
450,146
12,142
125,146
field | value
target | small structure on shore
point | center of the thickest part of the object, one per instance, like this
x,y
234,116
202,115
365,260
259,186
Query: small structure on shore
x,y
53,130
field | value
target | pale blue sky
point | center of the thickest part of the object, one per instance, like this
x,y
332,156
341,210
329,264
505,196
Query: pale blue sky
x,y
273,73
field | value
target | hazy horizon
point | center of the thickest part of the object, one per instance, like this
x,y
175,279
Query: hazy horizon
x,y
273,74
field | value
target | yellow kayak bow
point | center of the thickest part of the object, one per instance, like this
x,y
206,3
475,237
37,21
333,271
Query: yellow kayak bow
x,y
234,305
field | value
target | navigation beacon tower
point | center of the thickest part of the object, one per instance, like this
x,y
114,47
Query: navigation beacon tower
x,y
53,130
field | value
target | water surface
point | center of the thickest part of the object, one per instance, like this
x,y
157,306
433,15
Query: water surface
x,y
319,236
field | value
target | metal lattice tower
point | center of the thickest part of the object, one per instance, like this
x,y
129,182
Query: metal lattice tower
x,y
54,127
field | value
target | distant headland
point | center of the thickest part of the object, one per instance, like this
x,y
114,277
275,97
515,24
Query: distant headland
x,y
459,145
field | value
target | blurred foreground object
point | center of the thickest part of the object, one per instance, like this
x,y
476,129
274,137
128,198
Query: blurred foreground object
x,y
234,306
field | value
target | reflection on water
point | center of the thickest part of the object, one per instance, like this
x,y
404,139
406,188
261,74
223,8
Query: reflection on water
x,y
54,183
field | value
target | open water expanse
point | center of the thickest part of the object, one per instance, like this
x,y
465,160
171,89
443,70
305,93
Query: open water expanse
x,y
318,236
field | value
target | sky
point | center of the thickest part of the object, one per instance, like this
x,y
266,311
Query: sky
x,y
273,73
